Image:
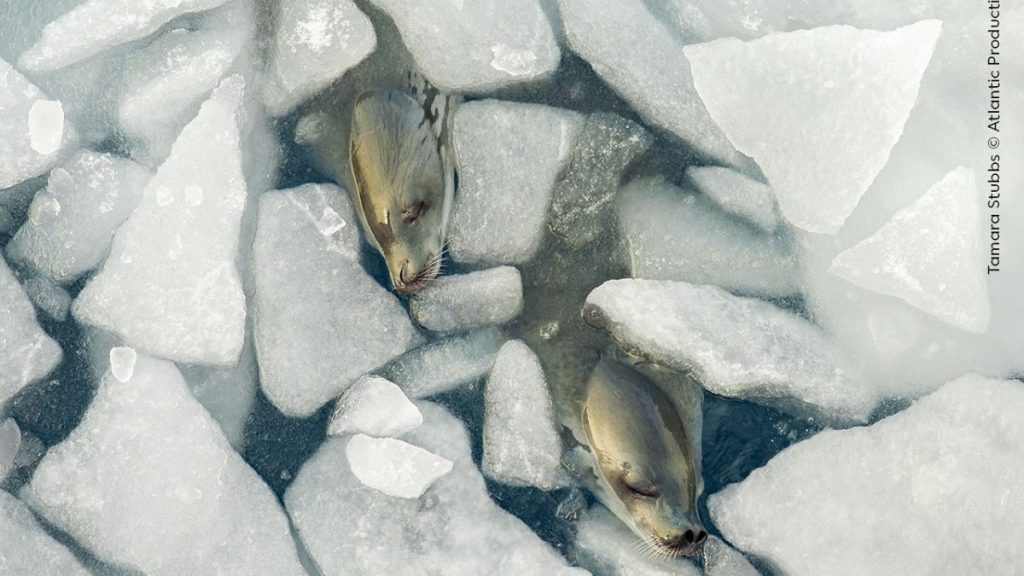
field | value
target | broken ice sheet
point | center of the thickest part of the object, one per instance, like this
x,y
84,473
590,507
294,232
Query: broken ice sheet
x,y
818,110
376,407
148,481
736,347
737,194
170,285
946,467
463,301
930,254
394,467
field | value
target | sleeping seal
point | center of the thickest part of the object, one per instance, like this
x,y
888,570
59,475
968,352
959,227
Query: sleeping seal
x,y
404,181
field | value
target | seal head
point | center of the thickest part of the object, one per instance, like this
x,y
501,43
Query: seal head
x,y
401,185
646,470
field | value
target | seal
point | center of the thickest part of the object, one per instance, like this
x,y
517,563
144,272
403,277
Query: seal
x,y
403,180
646,469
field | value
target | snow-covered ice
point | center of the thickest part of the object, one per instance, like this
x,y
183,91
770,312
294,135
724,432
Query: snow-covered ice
x,y
500,211
605,545
98,25
228,394
321,322
479,45
735,347
819,110
394,467
26,352
720,559
376,407
72,221
10,441
316,42
444,365
149,482
672,234
582,199
35,130
935,489
26,548
170,285
930,255
521,441
483,298
453,528
737,194
642,61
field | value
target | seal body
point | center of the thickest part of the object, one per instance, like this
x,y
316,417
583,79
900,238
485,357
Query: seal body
x,y
404,182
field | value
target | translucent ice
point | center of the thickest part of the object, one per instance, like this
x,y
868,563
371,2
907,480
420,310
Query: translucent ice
x,y
672,234
521,441
320,321
72,221
737,194
394,467
446,364
453,528
646,69
476,46
819,110
148,481
376,407
582,199
26,548
483,298
34,129
228,394
316,42
929,254
893,497
10,441
170,285
122,363
97,25
735,347
501,207
607,546
26,352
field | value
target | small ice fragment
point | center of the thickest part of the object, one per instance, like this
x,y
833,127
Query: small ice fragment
x,y
462,301
122,363
329,222
10,441
514,61
376,407
394,467
46,126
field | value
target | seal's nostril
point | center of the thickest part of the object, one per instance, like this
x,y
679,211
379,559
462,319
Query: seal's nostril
x,y
701,537
688,537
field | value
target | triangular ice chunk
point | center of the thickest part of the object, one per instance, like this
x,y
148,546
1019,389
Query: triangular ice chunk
x,y
819,110
930,255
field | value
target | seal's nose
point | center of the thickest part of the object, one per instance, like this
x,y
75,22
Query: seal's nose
x,y
403,278
687,541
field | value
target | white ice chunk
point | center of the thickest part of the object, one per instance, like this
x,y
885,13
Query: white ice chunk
x,y
476,46
521,441
47,296
122,362
444,365
453,528
170,285
72,221
316,42
819,110
320,321
376,407
10,441
394,467
483,298
33,126
228,394
97,25
735,347
166,81
26,352
645,68
720,559
930,255
935,489
737,194
607,546
149,482
672,234
510,155
26,548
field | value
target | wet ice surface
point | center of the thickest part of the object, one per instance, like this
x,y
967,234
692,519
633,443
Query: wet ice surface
x,y
203,367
